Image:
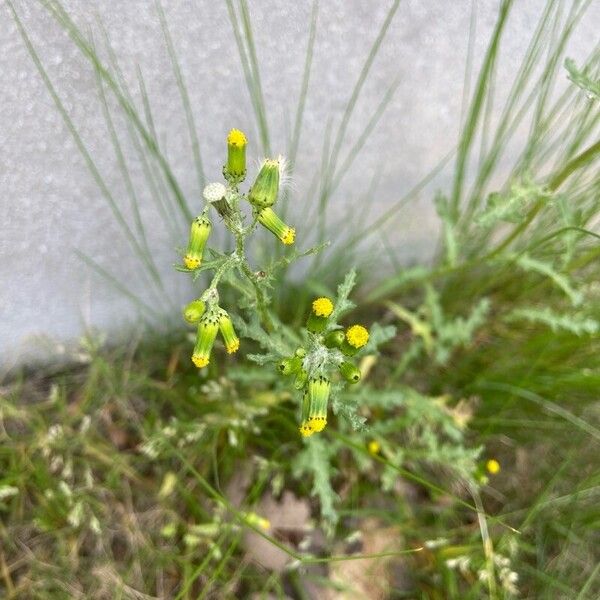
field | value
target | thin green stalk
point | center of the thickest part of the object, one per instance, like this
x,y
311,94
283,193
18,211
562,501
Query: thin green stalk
x,y
546,404
373,227
248,58
332,161
295,139
351,105
158,190
312,34
58,12
417,479
583,593
91,165
476,105
185,99
134,200
363,137
468,64
152,312
488,547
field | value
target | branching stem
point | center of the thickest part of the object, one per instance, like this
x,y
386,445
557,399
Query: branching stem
x,y
233,220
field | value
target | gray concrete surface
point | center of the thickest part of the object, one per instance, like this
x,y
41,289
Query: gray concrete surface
x,y
51,206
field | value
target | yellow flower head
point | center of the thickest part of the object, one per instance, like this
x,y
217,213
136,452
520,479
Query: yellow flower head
x,y
322,307
357,336
374,447
236,138
289,236
306,429
234,347
257,521
493,466
199,360
191,262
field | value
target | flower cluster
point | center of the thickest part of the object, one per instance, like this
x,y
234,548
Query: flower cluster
x,y
225,200
328,349
210,322
263,195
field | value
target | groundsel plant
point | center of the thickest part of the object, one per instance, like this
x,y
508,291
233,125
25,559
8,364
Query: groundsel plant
x,y
226,200
326,348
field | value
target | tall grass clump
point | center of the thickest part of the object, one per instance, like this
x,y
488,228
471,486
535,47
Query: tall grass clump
x,y
449,450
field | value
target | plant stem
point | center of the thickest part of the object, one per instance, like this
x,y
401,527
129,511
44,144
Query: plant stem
x,y
261,300
233,221
579,161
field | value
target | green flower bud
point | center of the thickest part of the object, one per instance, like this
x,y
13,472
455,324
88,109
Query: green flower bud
x,y
301,352
268,218
199,232
318,392
289,366
305,428
301,379
230,338
235,169
263,192
350,372
205,338
193,311
334,339
315,324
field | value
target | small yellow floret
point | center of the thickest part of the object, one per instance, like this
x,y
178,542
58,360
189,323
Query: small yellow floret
x,y
322,307
493,466
289,236
317,423
191,262
236,138
374,447
357,336
200,361
257,521
233,347
264,523
306,429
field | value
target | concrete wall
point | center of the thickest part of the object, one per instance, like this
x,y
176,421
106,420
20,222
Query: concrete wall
x,y
50,204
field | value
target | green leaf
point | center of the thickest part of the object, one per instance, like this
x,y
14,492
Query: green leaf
x,y
315,462
575,323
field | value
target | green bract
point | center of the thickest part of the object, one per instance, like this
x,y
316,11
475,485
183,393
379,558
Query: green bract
x,y
265,188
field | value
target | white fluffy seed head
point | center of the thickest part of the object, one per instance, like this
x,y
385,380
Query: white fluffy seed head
x,y
214,192
285,175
